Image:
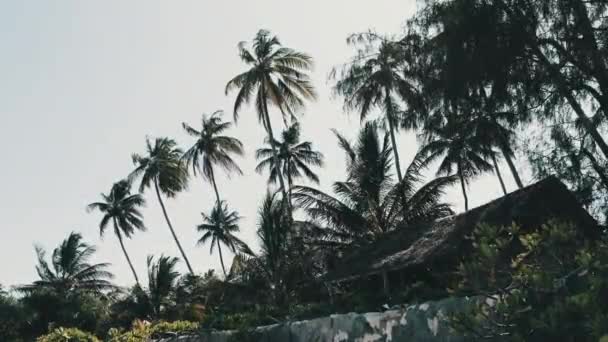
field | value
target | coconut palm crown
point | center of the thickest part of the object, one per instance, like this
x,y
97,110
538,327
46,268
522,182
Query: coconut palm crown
x,y
369,204
219,228
212,148
69,270
122,209
295,156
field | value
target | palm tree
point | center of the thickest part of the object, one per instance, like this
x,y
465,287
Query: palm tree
x,y
373,80
273,232
277,76
369,204
70,270
211,148
219,227
162,168
294,158
122,209
162,281
460,148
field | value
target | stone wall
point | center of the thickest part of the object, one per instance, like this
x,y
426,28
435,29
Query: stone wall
x,y
418,323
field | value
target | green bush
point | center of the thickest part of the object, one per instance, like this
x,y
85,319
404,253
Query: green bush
x,y
141,332
68,335
258,316
178,327
554,289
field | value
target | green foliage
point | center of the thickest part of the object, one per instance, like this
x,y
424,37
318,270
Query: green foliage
x,y
211,147
69,270
219,228
44,310
369,203
142,332
552,289
122,210
568,154
277,75
12,317
294,157
68,335
257,316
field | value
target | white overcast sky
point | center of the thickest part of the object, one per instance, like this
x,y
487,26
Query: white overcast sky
x,y
83,82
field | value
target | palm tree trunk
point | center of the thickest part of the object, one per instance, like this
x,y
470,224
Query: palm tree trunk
x,y
217,193
289,182
512,168
597,167
162,205
464,189
275,154
219,249
395,152
124,250
502,183
389,112
564,91
597,58
562,87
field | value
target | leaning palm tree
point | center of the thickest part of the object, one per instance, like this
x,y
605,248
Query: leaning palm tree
x,y
212,148
460,149
277,76
162,282
163,169
122,209
374,80
69,270
219,228
369,203
294,158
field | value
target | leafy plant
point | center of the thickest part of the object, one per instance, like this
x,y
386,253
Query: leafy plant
x,y
68,335
142,331
552,289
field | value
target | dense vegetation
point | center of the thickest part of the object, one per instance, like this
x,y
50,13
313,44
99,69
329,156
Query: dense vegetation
x,y
473,79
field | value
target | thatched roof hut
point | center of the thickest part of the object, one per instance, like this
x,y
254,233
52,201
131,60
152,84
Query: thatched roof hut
x,y
442,243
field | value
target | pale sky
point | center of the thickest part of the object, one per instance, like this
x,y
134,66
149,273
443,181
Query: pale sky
x,y
82,83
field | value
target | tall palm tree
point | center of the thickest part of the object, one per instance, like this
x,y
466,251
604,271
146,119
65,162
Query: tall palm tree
x,y
369,204
294,158
122,209
374,80
70,270
277,76
219,227
460,149
162,168
212,148
162,282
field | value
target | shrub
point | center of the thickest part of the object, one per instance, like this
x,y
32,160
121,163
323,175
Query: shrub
x,y
177,327
68,335
142,331
555,289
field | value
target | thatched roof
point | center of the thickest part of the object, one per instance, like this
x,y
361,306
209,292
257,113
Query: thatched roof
x,y
529,207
